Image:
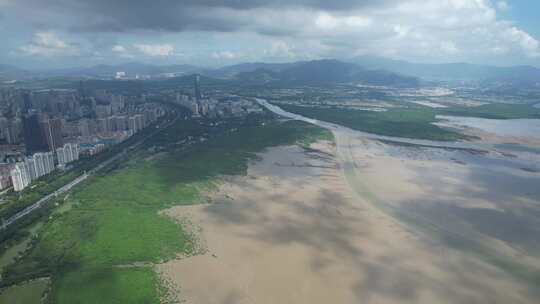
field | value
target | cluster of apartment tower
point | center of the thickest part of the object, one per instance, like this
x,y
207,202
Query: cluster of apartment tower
x,y
40,164
44,129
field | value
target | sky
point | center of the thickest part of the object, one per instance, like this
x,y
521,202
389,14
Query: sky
x,y
40,34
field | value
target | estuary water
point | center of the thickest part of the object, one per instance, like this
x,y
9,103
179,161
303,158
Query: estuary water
x,y
506,127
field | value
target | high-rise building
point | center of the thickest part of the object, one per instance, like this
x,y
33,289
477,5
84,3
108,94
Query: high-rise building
x,y
17,179
49,158
20,177
149,116
27,100
198,95
52,128
84,127
103,111
111,124
132,124
194,107
5,181
13,131
31,168
44,163
60,156
75,151
117,103
139,118
34,138
136,123
121,123
5,176
40,163
68,153
4,123
102,125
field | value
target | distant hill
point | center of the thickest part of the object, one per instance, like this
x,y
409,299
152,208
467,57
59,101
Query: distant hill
x,y
317,72
233,70
259,76
130,68
6,67
368,70
320,72
516,75
141,86
8,72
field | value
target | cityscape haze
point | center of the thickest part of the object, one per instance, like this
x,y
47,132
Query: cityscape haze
x,y
351,151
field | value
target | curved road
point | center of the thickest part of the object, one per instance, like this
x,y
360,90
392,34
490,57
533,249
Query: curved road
x,y
40,203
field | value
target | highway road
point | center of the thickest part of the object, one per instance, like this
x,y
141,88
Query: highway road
x,y
43,200
40,203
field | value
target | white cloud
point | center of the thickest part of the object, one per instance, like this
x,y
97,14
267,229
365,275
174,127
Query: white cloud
x,y
503,5
419,30
48,44
326,21
429,30
281,49
122,51
161,50
529,45
225,55
449,47
118,49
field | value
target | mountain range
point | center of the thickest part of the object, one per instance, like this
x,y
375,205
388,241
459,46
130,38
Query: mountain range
x,y
316,72
320,72
368,70
10,72
464,72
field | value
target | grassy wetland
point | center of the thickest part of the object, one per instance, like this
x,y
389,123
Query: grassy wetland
x,y
102,249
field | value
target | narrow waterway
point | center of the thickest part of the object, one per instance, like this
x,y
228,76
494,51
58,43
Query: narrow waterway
x,y
355,133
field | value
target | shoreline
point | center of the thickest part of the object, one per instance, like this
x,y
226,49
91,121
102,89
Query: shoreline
x,y
301,234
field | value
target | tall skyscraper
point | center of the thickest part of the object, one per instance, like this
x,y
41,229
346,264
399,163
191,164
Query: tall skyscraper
x,y
27,102
198,95
81,91
34,138
52,129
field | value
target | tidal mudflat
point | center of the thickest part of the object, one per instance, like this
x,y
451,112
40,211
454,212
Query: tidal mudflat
x,y
329,224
